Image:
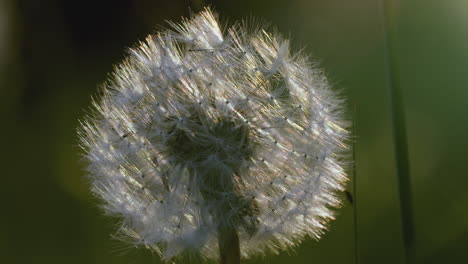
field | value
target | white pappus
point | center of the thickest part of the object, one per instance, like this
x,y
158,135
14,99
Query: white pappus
x,y
202,130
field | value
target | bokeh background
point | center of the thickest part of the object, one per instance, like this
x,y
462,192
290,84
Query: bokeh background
x,y
54,54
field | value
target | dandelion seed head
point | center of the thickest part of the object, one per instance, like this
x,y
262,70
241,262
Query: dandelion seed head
x,y
201,128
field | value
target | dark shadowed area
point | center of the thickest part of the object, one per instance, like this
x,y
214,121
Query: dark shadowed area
x,y
54,54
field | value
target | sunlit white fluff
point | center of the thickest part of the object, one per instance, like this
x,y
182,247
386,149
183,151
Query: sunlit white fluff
x,y
200,128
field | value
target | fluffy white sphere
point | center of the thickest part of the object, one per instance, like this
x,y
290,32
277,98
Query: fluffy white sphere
x,y
201,130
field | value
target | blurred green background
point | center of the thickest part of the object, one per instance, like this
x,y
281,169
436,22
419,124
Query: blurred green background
x,y
54,53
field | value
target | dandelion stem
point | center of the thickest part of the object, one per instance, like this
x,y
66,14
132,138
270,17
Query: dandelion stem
x,y
229,250
398,126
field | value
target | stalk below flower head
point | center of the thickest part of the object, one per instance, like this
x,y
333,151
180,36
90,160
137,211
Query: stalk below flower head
x,y
205,138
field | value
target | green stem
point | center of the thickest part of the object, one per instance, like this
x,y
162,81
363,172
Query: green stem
x,y
228,242
399,129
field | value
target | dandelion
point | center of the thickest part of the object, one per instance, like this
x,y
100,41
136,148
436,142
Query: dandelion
x,y
217,144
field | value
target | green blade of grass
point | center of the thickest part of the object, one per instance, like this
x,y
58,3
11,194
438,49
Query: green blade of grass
x,y
398,127
355,209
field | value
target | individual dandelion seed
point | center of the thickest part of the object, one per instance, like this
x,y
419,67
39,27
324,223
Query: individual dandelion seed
x,y
217,144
